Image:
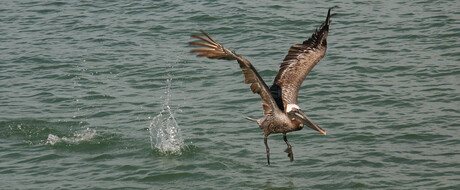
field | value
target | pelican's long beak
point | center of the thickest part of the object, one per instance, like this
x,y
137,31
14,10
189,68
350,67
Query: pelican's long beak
x,y
300,116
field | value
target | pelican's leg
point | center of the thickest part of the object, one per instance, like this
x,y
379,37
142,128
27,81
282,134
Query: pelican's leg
x,y
268,149
289,148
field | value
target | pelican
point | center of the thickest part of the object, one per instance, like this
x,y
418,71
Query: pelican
x,y
282,114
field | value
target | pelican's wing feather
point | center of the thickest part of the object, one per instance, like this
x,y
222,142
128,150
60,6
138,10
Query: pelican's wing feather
x,y
213,50
299,61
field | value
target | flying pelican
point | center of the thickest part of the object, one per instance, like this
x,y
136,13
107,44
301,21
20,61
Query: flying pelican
x,y
282,114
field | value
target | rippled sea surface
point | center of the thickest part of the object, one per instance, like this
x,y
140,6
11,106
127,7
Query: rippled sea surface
x,y
102,94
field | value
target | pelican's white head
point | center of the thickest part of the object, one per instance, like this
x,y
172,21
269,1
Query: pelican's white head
x,y
292,107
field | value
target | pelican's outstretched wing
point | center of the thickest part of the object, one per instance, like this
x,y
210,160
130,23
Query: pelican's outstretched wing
x,y
214,50
299,61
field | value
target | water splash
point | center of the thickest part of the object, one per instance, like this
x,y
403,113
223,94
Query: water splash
x,y
77,137
165,134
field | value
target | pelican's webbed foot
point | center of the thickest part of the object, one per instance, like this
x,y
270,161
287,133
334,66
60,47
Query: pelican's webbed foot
x,y
290,154
288,149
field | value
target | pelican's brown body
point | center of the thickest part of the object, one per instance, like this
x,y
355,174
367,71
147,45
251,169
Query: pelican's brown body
x,y
278,123
282,115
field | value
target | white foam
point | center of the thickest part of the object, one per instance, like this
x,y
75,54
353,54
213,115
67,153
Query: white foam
x,y
77,137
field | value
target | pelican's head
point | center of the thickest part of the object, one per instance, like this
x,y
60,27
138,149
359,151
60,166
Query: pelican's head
x,y
295,114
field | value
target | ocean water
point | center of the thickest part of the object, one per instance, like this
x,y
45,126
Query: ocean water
x,y
105,95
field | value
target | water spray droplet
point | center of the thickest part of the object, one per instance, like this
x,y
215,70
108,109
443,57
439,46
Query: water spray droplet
x,y
165,134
